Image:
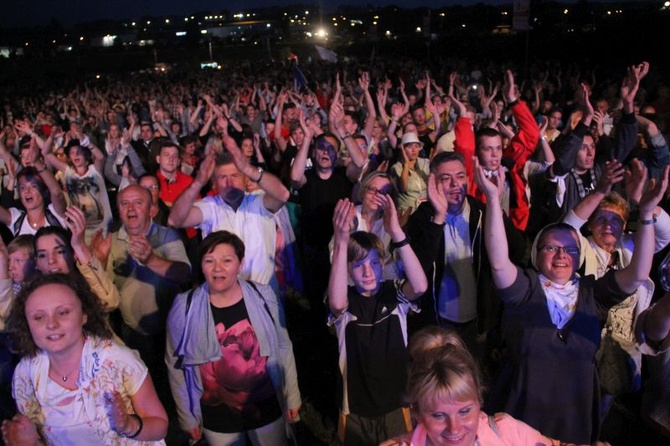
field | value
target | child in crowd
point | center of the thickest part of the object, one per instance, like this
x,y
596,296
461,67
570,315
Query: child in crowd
x,y
370,318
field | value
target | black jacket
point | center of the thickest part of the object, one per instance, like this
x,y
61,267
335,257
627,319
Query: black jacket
x,y
427,241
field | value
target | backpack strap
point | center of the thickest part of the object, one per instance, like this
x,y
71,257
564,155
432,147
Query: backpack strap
x,y
51,218
19,221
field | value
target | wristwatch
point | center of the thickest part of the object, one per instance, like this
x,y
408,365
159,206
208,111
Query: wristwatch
x,y
260,175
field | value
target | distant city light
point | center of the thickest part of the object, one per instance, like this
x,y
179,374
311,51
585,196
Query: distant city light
x,y
203,31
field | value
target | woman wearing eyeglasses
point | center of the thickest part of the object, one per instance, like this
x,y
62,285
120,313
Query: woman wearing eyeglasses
x,y
553,318
609,246
370,215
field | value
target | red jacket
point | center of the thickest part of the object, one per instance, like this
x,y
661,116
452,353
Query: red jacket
x,y
519,149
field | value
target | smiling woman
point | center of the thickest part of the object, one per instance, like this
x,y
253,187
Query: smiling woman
x,y
553,316
445,391
74,381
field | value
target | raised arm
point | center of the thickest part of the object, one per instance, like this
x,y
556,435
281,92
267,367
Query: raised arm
x,y
614,173
655,322
55,190
276,194
183,214
631,277
568,148
343,219
416,283
298,178
503,270
364,83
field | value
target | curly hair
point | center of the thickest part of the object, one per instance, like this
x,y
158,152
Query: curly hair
x,y
96,323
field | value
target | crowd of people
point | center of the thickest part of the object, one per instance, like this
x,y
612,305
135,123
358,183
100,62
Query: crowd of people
x,y
465,239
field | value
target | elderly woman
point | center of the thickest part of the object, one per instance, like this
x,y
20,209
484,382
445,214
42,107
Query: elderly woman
x,y
75,384
553,319
444,388
230,360
619,357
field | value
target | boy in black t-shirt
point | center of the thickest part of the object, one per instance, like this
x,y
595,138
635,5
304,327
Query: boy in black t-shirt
x,y
370,318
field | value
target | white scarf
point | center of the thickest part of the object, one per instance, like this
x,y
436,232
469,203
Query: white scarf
x,y
561,299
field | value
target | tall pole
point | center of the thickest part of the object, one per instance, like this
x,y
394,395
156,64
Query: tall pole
x,y
211,59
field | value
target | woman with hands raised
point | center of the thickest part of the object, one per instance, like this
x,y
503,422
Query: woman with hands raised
x,y
553,319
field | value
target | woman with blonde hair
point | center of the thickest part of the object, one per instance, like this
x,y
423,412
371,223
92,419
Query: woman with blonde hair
x,y
445,392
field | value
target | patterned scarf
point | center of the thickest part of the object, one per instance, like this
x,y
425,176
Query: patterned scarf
x,y
561,299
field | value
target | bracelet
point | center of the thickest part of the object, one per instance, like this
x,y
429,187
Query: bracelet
x,y
647,222
40,171
401,243
261,171
140,425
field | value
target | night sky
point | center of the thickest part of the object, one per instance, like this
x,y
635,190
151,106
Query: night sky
x,y
17,13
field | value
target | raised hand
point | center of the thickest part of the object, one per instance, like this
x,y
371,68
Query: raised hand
x,y
390,214
75,221
436,196
635,180
654,193
493,185
343,219
206,169
614,173
509,89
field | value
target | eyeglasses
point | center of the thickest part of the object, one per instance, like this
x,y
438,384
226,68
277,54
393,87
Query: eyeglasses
x,y
152,187
373,190
551,249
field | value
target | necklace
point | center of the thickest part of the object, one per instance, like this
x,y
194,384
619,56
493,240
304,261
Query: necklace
x,y
63,377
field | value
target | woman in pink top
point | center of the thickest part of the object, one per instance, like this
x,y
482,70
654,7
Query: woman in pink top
x,y
444,389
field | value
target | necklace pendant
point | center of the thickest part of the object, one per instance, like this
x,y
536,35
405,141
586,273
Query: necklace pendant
x,y
64,378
